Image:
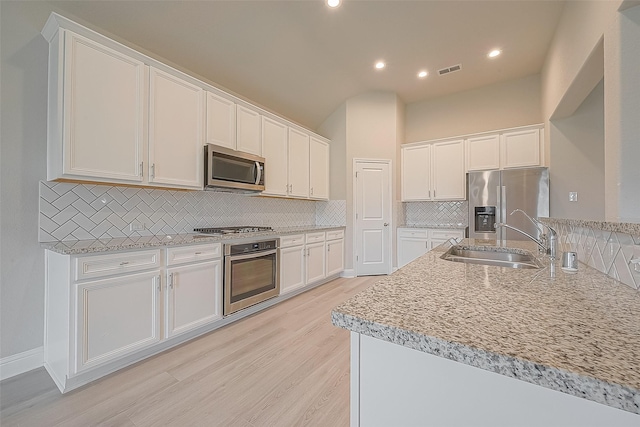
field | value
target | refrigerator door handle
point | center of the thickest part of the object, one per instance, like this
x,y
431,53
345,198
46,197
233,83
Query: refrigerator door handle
x,y
498,212
503,211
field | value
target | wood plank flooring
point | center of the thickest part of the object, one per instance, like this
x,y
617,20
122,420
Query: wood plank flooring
x,y
285,366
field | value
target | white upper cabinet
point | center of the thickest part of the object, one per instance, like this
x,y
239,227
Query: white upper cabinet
x,y
248,131
416,173
483,152
433,171
102,133
318,169
221,121
274,151
176,113
298,163
448,170
520,148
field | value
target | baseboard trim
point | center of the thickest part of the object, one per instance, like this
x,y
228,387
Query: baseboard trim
x,y
349,274
16,364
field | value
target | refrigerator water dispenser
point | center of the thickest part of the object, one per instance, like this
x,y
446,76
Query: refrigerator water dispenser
x,y
485,218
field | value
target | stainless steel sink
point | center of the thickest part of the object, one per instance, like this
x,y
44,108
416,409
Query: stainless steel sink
x,y
489,255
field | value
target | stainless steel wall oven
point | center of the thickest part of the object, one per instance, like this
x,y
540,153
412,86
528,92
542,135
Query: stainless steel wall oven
x,y
250,274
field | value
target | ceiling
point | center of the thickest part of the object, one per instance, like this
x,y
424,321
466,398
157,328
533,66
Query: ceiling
x,y
302,60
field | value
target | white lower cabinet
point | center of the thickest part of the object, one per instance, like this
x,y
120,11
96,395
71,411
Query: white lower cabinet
x,y
292,263
117,317
335,252
315,259
193,296
415,242
105,311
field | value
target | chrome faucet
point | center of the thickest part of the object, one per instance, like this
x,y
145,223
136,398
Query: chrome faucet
x,y
548,243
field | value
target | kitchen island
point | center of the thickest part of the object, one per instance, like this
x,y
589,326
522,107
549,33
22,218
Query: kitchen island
x,y
428,341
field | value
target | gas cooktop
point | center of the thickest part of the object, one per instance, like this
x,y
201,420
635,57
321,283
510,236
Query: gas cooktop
x,y
231,230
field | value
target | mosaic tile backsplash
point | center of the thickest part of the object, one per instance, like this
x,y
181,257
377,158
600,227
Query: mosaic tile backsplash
x,y
83,211
419,213
615,253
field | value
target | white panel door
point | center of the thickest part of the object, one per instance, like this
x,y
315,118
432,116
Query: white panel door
x,y
248,131
318,169
298,164
194,296
116,317
292,262
104,103
373,218
274,151
176,131
448,170
416,173
221,121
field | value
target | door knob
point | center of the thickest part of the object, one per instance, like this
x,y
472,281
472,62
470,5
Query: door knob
x,y
386,224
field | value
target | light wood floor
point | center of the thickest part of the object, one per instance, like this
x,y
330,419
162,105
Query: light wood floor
x,y
285,366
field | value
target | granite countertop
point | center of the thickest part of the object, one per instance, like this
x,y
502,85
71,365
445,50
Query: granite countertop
x,y
77,247
458,225
576,333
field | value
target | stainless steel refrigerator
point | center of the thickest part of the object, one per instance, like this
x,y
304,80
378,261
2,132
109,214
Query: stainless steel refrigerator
x,y
493,195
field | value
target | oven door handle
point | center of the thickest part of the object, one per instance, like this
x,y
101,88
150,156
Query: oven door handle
x,y
251,255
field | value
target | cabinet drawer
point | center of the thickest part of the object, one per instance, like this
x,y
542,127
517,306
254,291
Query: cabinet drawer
x,y
193,253
105,265
413,232
335,234
446,234
315,237
293,240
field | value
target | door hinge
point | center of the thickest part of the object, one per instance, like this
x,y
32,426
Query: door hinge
x,y
356,215
357,258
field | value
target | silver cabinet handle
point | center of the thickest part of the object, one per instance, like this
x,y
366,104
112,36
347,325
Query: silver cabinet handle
x,y
153,171
171,280
124,263
312,191
141,169
198,253
159,283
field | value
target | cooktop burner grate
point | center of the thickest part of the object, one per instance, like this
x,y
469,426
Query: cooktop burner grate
x,y
231,230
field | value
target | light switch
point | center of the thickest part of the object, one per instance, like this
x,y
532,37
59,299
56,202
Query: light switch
x,y
573,196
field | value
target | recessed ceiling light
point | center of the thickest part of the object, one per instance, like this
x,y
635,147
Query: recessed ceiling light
x,y
494,53
380,65
422,74
333,3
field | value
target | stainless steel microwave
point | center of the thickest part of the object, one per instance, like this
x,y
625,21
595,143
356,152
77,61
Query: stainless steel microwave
x,y
232,170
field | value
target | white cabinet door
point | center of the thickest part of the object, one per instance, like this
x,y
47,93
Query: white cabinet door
x,y
194,296
103,109
318,169
335,257
298,164
416,173
274,151
483,152
221,121
176,112
116,317
247,130
520,148
448,170
315,261
292,262
410,249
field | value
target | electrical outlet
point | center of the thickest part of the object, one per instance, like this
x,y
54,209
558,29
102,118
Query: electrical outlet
x,y
573,196
136,226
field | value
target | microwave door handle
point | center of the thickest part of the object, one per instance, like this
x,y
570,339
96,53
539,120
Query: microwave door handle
x,y
258,173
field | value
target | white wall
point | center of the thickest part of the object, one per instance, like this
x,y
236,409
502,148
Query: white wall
x,y
335,128
577,155
498,106
23,163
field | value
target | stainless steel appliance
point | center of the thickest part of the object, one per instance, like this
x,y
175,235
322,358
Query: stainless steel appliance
x,y
250,274
231,230
493,195
231,170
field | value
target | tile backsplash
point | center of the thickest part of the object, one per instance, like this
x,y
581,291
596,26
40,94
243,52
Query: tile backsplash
x,y
611,248
84,211
419,213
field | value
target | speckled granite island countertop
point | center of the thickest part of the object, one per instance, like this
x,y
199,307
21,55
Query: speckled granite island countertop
x,y
78,247
576,333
